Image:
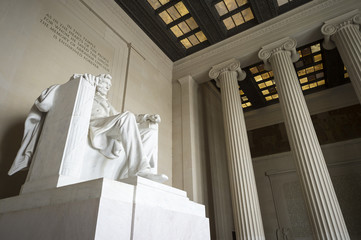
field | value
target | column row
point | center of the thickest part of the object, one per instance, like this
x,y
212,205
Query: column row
x,y
323,208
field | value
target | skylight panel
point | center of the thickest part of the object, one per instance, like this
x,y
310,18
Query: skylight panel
x,y
247,104
345,73
173,12
200,35
240,8
184,27
221,8
166,17
176,31
309,68
163,1
193,39
247,14
186,43
231,4
244,99
238,19
181,8
241,2
283,2
229,23
192,23
265,82
156,4
187,31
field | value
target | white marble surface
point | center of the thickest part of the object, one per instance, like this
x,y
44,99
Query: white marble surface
x,y
192,159
318,191
344,32
246,210
68,120
33,59
104,209
84,137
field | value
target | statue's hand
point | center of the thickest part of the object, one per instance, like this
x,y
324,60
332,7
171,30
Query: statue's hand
x,y
154,118
91,79
140,118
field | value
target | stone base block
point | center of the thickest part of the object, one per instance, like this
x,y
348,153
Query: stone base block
x,y
135,209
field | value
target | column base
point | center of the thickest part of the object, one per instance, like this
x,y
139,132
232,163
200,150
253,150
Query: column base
x,y
135,208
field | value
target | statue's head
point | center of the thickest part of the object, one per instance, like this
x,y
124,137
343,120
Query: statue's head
x,y
104,84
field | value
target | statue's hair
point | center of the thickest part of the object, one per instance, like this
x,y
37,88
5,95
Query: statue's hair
x,y
104,76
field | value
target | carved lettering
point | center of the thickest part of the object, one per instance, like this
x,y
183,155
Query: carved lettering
x,y
71,38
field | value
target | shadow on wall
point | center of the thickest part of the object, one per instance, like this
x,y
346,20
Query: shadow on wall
x,y
10,144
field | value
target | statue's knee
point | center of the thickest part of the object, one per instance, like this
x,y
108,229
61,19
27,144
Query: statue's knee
x,y
128,116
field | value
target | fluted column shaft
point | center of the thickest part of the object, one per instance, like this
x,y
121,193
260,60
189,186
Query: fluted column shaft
x,y
246,210
345,34
323,209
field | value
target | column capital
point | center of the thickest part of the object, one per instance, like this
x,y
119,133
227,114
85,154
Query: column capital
x,y
333,25
285,44
230,65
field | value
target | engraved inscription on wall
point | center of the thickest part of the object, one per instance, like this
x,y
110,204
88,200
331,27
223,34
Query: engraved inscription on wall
x,y
74,40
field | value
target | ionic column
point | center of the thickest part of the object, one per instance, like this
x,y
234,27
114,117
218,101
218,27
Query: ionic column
x,y
344,33
246,210
323,209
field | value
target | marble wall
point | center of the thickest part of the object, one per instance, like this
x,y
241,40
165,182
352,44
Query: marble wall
x,y
219,199
45,41
282,205
189,159
332,126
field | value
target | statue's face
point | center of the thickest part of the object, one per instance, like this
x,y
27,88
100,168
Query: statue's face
x,y
104,86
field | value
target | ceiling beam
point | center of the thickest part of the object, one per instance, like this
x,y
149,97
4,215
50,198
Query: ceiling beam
x,y
201,12
263,10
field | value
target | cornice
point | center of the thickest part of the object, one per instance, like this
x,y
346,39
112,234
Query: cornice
x,y
249,42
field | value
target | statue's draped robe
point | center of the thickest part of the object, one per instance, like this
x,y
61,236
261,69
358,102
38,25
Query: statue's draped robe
x,y
32,129
110,133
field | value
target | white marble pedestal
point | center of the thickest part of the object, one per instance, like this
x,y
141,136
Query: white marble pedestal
x,y
135,209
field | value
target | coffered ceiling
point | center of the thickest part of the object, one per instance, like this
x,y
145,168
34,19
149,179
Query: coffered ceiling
x,y
182,27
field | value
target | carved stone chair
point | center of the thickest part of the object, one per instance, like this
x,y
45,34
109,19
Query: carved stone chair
x,y
63,154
